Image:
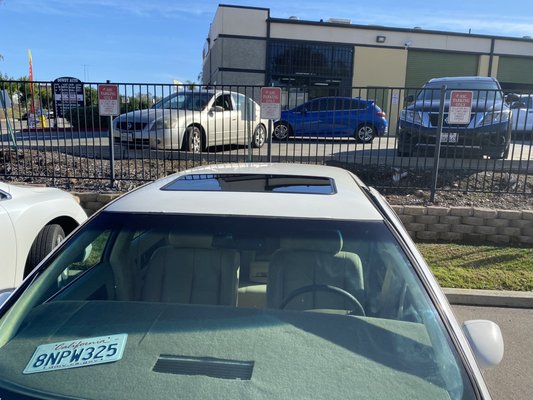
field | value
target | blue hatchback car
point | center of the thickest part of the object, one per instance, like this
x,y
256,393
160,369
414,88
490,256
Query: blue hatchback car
x,y
333,117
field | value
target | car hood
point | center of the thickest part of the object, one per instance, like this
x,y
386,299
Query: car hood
x,y
151,114
434,106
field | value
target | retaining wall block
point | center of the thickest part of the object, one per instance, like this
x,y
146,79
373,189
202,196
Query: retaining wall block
x,y
527,215
427,235
462,211
486,230
521,223
498,223
476,221
450,220
406,219
440,211
427,219
461,228
485,213
498,238
441,228
414,227
509,214
510,231
414,210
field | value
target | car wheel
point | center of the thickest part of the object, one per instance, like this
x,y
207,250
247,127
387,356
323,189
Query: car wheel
x,y
47,239
259,136
365,133
282,131
193,141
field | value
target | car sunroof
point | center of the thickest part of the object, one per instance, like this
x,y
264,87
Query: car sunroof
x,y
253,183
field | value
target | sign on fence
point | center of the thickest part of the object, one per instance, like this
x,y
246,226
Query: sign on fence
x,y
68,94
108,100
271,103
460,107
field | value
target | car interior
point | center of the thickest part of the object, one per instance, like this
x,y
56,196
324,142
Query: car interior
x,y
238,299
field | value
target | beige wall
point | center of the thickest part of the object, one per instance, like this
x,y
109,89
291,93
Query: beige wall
x,y
381,67
484,64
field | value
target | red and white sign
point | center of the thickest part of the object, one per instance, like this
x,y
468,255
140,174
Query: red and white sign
x,y
108,100
271,103
460,107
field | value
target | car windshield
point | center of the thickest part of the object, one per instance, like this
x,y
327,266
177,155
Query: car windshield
x,y
191,306
194,101
483,92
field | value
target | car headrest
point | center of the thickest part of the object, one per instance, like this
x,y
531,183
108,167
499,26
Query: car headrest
x,y
324,241
204,241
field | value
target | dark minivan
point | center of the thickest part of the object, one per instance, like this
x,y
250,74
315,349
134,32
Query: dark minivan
x,y
488,132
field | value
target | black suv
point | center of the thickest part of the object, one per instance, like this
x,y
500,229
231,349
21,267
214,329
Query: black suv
x,y
487,134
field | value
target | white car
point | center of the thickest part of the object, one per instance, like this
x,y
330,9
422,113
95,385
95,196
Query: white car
x,y
241,281
193,120
33,220
522,115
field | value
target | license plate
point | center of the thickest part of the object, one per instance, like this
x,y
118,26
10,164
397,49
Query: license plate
x,y
126,137
448,137
77,353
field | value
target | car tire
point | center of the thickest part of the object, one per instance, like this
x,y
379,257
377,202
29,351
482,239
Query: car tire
x,y
47,239
259,136
194,140
282,131
365,133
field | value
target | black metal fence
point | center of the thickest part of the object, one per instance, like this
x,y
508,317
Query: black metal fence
x,y
52,132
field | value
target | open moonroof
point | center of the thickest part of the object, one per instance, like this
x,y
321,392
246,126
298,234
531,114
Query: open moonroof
x,y
253,183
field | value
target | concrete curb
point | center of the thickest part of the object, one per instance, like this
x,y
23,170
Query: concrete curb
x,y
489,298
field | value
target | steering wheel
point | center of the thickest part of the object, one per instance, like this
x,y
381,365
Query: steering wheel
x,y
358,308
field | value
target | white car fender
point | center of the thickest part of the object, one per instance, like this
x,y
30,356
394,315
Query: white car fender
x,y
29,217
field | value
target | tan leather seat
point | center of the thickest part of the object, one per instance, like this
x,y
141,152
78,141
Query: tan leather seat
x,y
190,270
314,259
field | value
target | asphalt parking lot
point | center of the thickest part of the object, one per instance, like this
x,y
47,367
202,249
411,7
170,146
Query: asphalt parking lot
x,y
512,379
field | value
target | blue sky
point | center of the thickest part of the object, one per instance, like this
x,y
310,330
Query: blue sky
x,y
157,41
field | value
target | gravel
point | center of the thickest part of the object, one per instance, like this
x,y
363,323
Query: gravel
x,y
400,187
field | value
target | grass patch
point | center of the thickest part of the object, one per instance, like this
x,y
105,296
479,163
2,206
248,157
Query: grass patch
x,y
480,266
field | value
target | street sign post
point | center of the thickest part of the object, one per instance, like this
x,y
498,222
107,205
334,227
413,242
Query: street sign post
x,y
271,110
109,105
460,111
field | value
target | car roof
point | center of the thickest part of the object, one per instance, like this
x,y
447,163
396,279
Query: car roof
x,y
462,79
345,199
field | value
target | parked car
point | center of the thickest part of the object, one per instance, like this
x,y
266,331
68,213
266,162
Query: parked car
x,y
487,134
33,220
194,120
38,113
522,114
333,117
260,281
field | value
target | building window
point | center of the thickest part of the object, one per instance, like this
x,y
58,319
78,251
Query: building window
x,y
309,70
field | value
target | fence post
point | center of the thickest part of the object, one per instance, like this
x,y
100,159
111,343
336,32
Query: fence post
x,y
111,148
436,156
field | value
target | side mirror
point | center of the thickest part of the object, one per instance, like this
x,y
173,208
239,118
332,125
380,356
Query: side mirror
x,y
303,111
216,109
518,104
485,338
410,98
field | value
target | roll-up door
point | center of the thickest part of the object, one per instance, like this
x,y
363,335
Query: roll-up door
x,y
424,65
515,72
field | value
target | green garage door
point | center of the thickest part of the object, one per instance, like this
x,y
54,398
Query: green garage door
x,y
515,72
424,65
